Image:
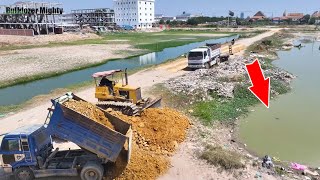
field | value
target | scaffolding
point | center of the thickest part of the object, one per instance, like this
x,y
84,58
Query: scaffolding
x,y
94,17
41,17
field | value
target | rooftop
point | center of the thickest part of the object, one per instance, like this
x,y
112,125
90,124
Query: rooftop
x,y
29,129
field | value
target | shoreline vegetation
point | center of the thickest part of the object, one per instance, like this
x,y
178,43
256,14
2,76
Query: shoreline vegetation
x,y
156,42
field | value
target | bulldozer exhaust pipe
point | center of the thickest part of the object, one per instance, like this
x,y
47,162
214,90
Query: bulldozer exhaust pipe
x,y
126,76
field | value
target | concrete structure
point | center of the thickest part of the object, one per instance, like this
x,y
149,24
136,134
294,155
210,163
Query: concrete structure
x,y
94,17
242,15
185,16
295,17
41,17
158,17
136,13
169,18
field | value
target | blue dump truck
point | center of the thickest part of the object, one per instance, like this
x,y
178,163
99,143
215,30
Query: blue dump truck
x,y
28,152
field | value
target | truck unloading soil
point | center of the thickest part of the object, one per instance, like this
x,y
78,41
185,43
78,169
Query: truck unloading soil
x,y
156,133
89,110
158,130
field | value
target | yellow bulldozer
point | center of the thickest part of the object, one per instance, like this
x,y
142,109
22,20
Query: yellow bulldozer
x,y
115,92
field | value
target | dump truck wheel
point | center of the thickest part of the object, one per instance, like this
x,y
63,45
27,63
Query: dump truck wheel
x,y
218,60
91,171
207,66
23,173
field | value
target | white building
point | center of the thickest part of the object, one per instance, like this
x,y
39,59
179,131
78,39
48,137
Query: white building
x,y
136,13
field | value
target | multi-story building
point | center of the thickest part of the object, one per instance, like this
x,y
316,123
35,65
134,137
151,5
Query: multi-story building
x,y
94,17
136,13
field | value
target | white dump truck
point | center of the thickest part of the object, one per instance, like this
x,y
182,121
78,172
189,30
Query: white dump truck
x,y
204,57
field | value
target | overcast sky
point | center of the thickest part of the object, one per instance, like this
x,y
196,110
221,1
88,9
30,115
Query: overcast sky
x,y
207,7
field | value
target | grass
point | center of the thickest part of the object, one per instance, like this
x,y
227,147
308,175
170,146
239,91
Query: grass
x,y
136,39
221,109
145,41
280,87
269,44
160,40
218,156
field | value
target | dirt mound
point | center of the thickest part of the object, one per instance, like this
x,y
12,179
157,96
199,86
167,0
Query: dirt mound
x,y
89,110
158,130
156,134
143,165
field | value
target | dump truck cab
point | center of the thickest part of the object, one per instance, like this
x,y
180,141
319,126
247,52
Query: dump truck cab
x,y
204,57
21,148
28,153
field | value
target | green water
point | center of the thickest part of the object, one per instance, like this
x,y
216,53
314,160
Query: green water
x,y
290,129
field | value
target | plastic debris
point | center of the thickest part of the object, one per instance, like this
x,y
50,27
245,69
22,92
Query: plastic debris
x,y
297,166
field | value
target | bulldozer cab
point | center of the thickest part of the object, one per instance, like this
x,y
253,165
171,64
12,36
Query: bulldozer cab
x,y
108,87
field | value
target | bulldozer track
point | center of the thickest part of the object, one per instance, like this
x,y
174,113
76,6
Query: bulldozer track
x,y
126,108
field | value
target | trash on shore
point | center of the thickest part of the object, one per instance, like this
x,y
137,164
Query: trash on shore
x,y
267,162
297,166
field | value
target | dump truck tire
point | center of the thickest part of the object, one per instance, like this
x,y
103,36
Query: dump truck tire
x,y
92,171
207,66
23,173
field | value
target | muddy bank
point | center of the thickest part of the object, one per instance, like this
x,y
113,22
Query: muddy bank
x,y
19,65
7,40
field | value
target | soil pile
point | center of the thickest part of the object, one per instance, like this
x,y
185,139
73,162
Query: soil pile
x,y
143,165
89,110
157,133
158,130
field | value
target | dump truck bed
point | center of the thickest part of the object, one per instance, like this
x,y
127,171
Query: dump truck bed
x,y
88,134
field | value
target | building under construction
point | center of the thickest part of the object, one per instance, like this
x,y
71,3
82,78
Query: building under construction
x,y
30,18
94,17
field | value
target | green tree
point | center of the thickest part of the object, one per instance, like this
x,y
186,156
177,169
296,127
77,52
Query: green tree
x,y
168,22
193,22
312,20
173,23
161,21
306,18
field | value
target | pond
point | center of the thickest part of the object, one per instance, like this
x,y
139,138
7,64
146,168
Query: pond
x,y
290,130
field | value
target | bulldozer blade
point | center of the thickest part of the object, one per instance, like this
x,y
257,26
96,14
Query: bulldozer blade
x,y
155,103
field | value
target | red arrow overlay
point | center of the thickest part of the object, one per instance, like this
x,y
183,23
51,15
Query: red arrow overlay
x,y
260,86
